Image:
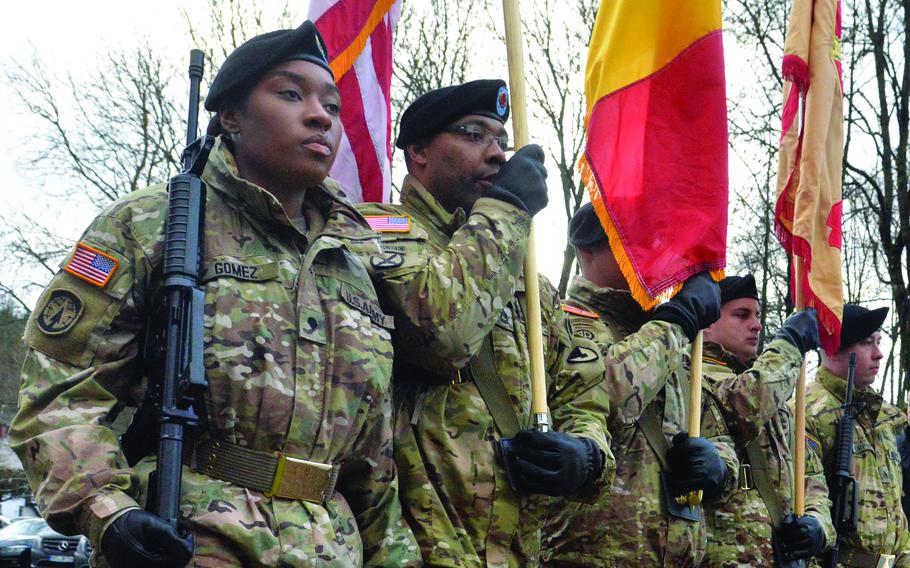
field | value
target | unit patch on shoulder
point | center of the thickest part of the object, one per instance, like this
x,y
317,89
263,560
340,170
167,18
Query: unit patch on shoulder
x,y
579,312
60,313
582,355
389,223
387,260
812,442
584,333
92,265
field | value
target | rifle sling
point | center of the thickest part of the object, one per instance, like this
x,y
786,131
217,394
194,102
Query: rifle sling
x,y
762,479
489,382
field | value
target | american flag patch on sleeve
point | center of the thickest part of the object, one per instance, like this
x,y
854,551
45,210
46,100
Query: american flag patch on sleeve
x,y
389,223
91,265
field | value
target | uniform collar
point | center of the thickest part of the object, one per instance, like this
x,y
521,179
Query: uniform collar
x,y
609,303
716,354
327,197
871,401
419,199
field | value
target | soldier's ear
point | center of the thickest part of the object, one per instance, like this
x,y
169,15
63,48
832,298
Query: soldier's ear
x,y
417,153
230,119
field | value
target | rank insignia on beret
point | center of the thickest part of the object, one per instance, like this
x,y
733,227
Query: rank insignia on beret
x,y
579,312
812,442
60,312
502,101
389,223
92,265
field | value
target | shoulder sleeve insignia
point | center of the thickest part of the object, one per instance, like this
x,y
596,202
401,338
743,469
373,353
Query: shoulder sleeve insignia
x,y
91,265
812,442
389,223
60,312
579,312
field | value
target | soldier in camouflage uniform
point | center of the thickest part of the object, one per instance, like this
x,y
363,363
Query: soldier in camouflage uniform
x,y
881,538
450,271
646,366
753,402
297,354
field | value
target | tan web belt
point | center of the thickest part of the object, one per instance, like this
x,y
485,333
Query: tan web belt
x,y
859,558
274,474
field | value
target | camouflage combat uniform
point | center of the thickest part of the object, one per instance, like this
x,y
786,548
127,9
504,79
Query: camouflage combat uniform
x,y
452,281
882,526
754,405
646,365
295,359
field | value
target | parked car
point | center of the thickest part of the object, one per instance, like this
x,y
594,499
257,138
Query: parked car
x,y
17,541
36,545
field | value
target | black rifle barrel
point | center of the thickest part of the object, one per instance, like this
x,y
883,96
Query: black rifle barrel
x,y
184,371
841,484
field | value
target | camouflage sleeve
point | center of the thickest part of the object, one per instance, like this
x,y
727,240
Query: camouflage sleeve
x,y
78,372
817,503
714,429
577,404
637,368
370,485
748,401
449,299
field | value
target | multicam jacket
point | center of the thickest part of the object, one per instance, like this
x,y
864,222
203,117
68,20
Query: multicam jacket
x,y
646,365
452,281
754,405
882,526
294,362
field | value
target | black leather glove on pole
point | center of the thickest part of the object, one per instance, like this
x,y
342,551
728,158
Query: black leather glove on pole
x,y
139,539
695,307
801,330
522,181
551,463
695,465
800,537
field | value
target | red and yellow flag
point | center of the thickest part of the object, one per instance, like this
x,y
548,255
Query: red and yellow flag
x,y
807,215
655,160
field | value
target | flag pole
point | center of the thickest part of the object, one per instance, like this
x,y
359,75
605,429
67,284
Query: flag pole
x,y
799,427
515,52
694,497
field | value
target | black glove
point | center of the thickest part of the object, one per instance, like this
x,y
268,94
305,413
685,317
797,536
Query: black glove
x,y
800,537
801,330
551,463
695,307
139,539
522,181
695,465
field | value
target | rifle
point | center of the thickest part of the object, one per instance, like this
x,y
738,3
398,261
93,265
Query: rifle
x,y
841,484
175,332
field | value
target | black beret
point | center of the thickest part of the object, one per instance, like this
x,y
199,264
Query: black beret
x,y
859,323
585,229
246,64
434,111
736,287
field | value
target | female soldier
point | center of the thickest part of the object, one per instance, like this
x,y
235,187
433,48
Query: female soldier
x,y
297,353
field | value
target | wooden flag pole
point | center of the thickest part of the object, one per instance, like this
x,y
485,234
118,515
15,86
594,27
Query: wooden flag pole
x,y
694,498
515,52
799,450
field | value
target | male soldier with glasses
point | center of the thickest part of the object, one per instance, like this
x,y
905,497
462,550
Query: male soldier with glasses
x,y
450,272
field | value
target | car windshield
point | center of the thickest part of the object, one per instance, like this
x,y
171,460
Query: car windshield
x,y
24,527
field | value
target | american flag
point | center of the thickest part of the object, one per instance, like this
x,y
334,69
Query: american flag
x,y
91,265
358,34
389,223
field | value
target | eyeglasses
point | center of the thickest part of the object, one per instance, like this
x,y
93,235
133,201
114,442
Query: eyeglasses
x,y
480,135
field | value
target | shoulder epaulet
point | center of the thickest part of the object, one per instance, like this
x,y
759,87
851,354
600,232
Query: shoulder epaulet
x,y
389,223
579,312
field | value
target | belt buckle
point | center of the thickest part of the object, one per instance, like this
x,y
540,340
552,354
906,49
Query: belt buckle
x,y
306,480
457,379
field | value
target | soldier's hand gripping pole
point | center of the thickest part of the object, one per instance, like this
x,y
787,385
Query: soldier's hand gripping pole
x,y
184,374
515,51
